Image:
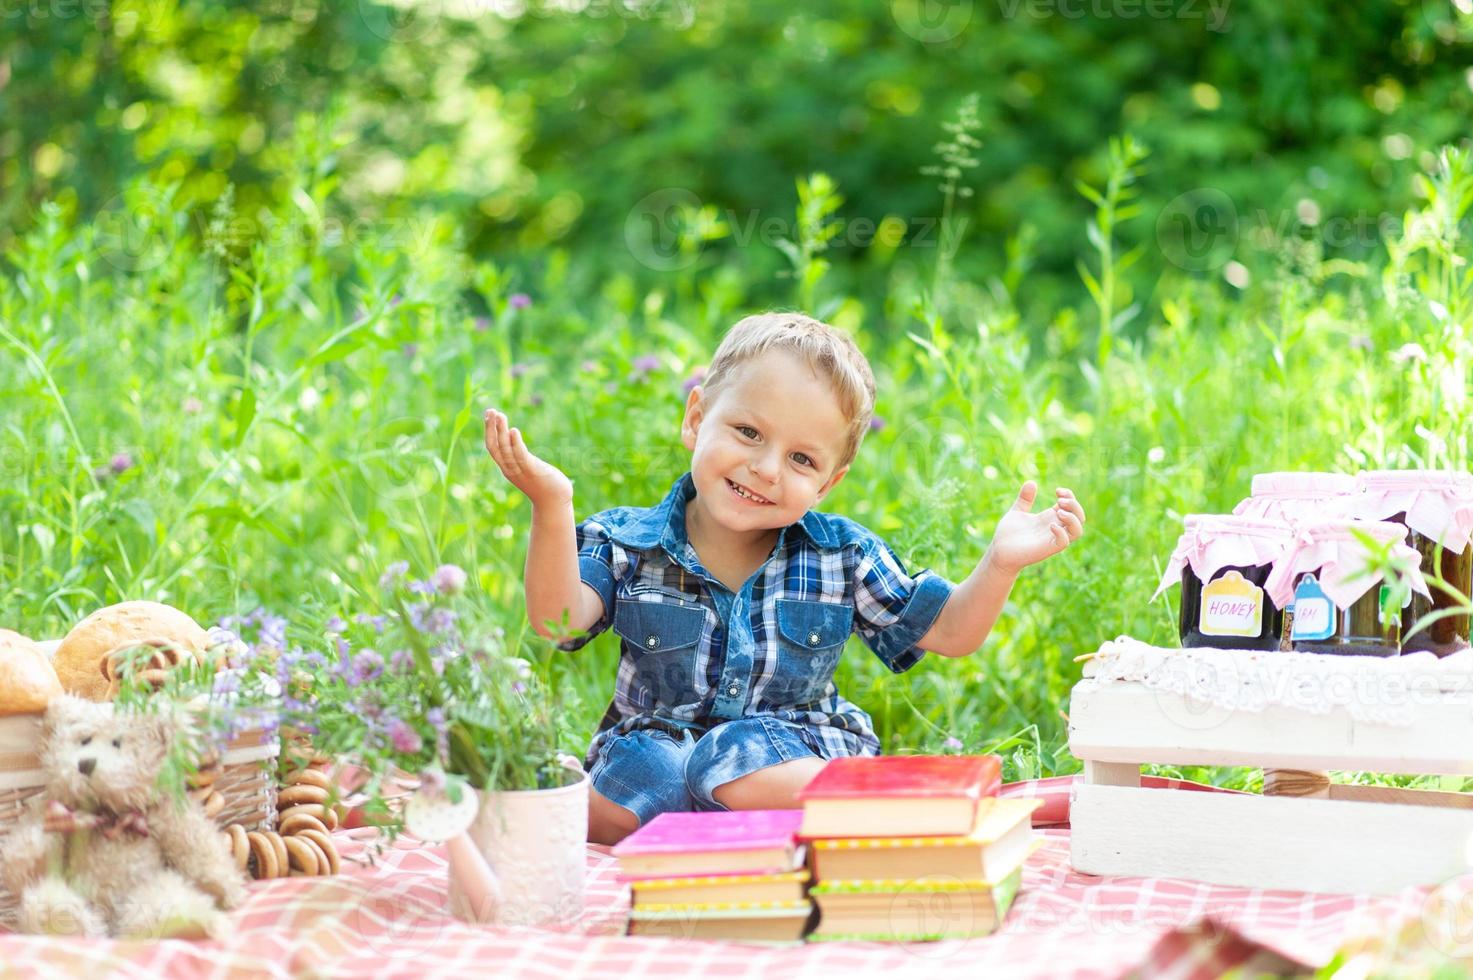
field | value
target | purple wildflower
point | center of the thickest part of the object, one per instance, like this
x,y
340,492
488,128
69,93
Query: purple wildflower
x,y
410,350
391,576
440,621
395,300
876,423
367,664
405,738
401,659
377,622
588,367
436,718
421,587
120,463
519,301
646,363
517,370
449,579
483,323
335,625
193,406
696,377
535,400
518,688
227,682
952,744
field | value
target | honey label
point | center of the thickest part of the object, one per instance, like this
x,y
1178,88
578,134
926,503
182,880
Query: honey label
x,y
1231,606
1314,613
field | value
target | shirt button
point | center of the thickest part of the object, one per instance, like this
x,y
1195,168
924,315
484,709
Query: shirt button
x,y
652,641
733,690
813,639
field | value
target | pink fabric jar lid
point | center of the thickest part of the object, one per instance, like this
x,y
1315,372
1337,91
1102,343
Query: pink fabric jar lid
x,y
1332,549
1438,503
1294,497
1212,542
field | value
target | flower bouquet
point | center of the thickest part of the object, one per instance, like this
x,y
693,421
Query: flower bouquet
x,y
423,694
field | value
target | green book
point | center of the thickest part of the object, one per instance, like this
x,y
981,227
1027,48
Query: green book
x,y
919,910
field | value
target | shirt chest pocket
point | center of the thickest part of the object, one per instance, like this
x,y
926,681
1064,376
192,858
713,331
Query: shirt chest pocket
x,y
811,637
661,635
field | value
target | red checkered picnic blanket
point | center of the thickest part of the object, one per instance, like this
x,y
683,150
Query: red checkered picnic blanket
x,y
391,920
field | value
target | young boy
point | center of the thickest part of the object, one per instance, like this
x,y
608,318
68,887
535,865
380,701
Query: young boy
x,y
733,599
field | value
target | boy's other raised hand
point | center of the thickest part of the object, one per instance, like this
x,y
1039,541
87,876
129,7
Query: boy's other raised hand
x,y
542,482
1023,537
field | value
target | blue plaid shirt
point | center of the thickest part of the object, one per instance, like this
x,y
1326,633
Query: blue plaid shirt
x,y
694,654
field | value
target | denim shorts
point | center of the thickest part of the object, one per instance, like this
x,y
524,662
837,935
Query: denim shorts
x,y
651,771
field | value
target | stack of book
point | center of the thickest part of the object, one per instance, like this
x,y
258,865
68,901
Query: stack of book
x,y
735,875
910,848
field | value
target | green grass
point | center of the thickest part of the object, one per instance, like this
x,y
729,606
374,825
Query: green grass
x,y
301,413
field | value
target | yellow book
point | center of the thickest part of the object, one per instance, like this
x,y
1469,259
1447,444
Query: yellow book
x,y
751,921
788,887
1000,839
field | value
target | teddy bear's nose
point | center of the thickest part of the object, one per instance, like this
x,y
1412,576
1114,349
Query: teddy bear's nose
x,y
87,765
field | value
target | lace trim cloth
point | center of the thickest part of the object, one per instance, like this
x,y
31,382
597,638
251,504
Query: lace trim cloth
x,y
1212,542
1373,690
1341,560
1437,504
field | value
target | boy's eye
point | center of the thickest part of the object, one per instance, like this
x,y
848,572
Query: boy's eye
x,y
747,431
802,459
86,739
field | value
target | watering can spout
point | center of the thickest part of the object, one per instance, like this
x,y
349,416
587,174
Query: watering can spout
x,y
475,879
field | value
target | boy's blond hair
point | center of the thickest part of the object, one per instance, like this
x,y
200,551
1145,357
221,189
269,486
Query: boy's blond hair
x,y
830,352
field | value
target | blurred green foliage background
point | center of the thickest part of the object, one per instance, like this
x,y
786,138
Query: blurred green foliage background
x,y
536,123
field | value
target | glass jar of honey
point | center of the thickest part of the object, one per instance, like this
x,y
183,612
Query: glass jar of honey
x,y
1436,507
1338,601
1296,497
1223,562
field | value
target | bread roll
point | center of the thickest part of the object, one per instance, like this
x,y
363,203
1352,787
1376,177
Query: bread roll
x,y
27,682
80,658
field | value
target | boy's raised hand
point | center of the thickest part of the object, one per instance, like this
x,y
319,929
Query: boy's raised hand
x,y
542,482
1023,537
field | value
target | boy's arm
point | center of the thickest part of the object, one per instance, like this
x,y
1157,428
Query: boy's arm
x,y
1021,539
554,588
969,614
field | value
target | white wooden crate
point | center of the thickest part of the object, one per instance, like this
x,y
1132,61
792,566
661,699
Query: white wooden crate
x,y
1348,839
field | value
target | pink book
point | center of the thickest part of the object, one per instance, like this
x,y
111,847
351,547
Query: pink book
x,y
717,842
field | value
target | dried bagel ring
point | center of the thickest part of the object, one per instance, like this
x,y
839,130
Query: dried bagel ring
x,y
298,822
240,845
302,856
199,794
325,845
318,810
214,803
324,867
308,777
264,855
205,776
283,859
296,795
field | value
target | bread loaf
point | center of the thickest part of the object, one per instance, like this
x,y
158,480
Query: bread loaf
x,y
81,657
27,682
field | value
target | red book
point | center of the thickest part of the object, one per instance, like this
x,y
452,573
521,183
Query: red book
x,y
898,795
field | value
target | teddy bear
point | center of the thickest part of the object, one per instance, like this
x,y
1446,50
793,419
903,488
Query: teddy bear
x,y
101,852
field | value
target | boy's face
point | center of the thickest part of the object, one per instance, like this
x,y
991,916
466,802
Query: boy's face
x,y
776,431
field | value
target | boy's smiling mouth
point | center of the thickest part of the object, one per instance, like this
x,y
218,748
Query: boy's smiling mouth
x,y
746,494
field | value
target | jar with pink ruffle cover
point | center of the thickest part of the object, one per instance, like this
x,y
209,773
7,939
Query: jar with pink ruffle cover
x,y
1223,562
1337,598
1295,497
1436,506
